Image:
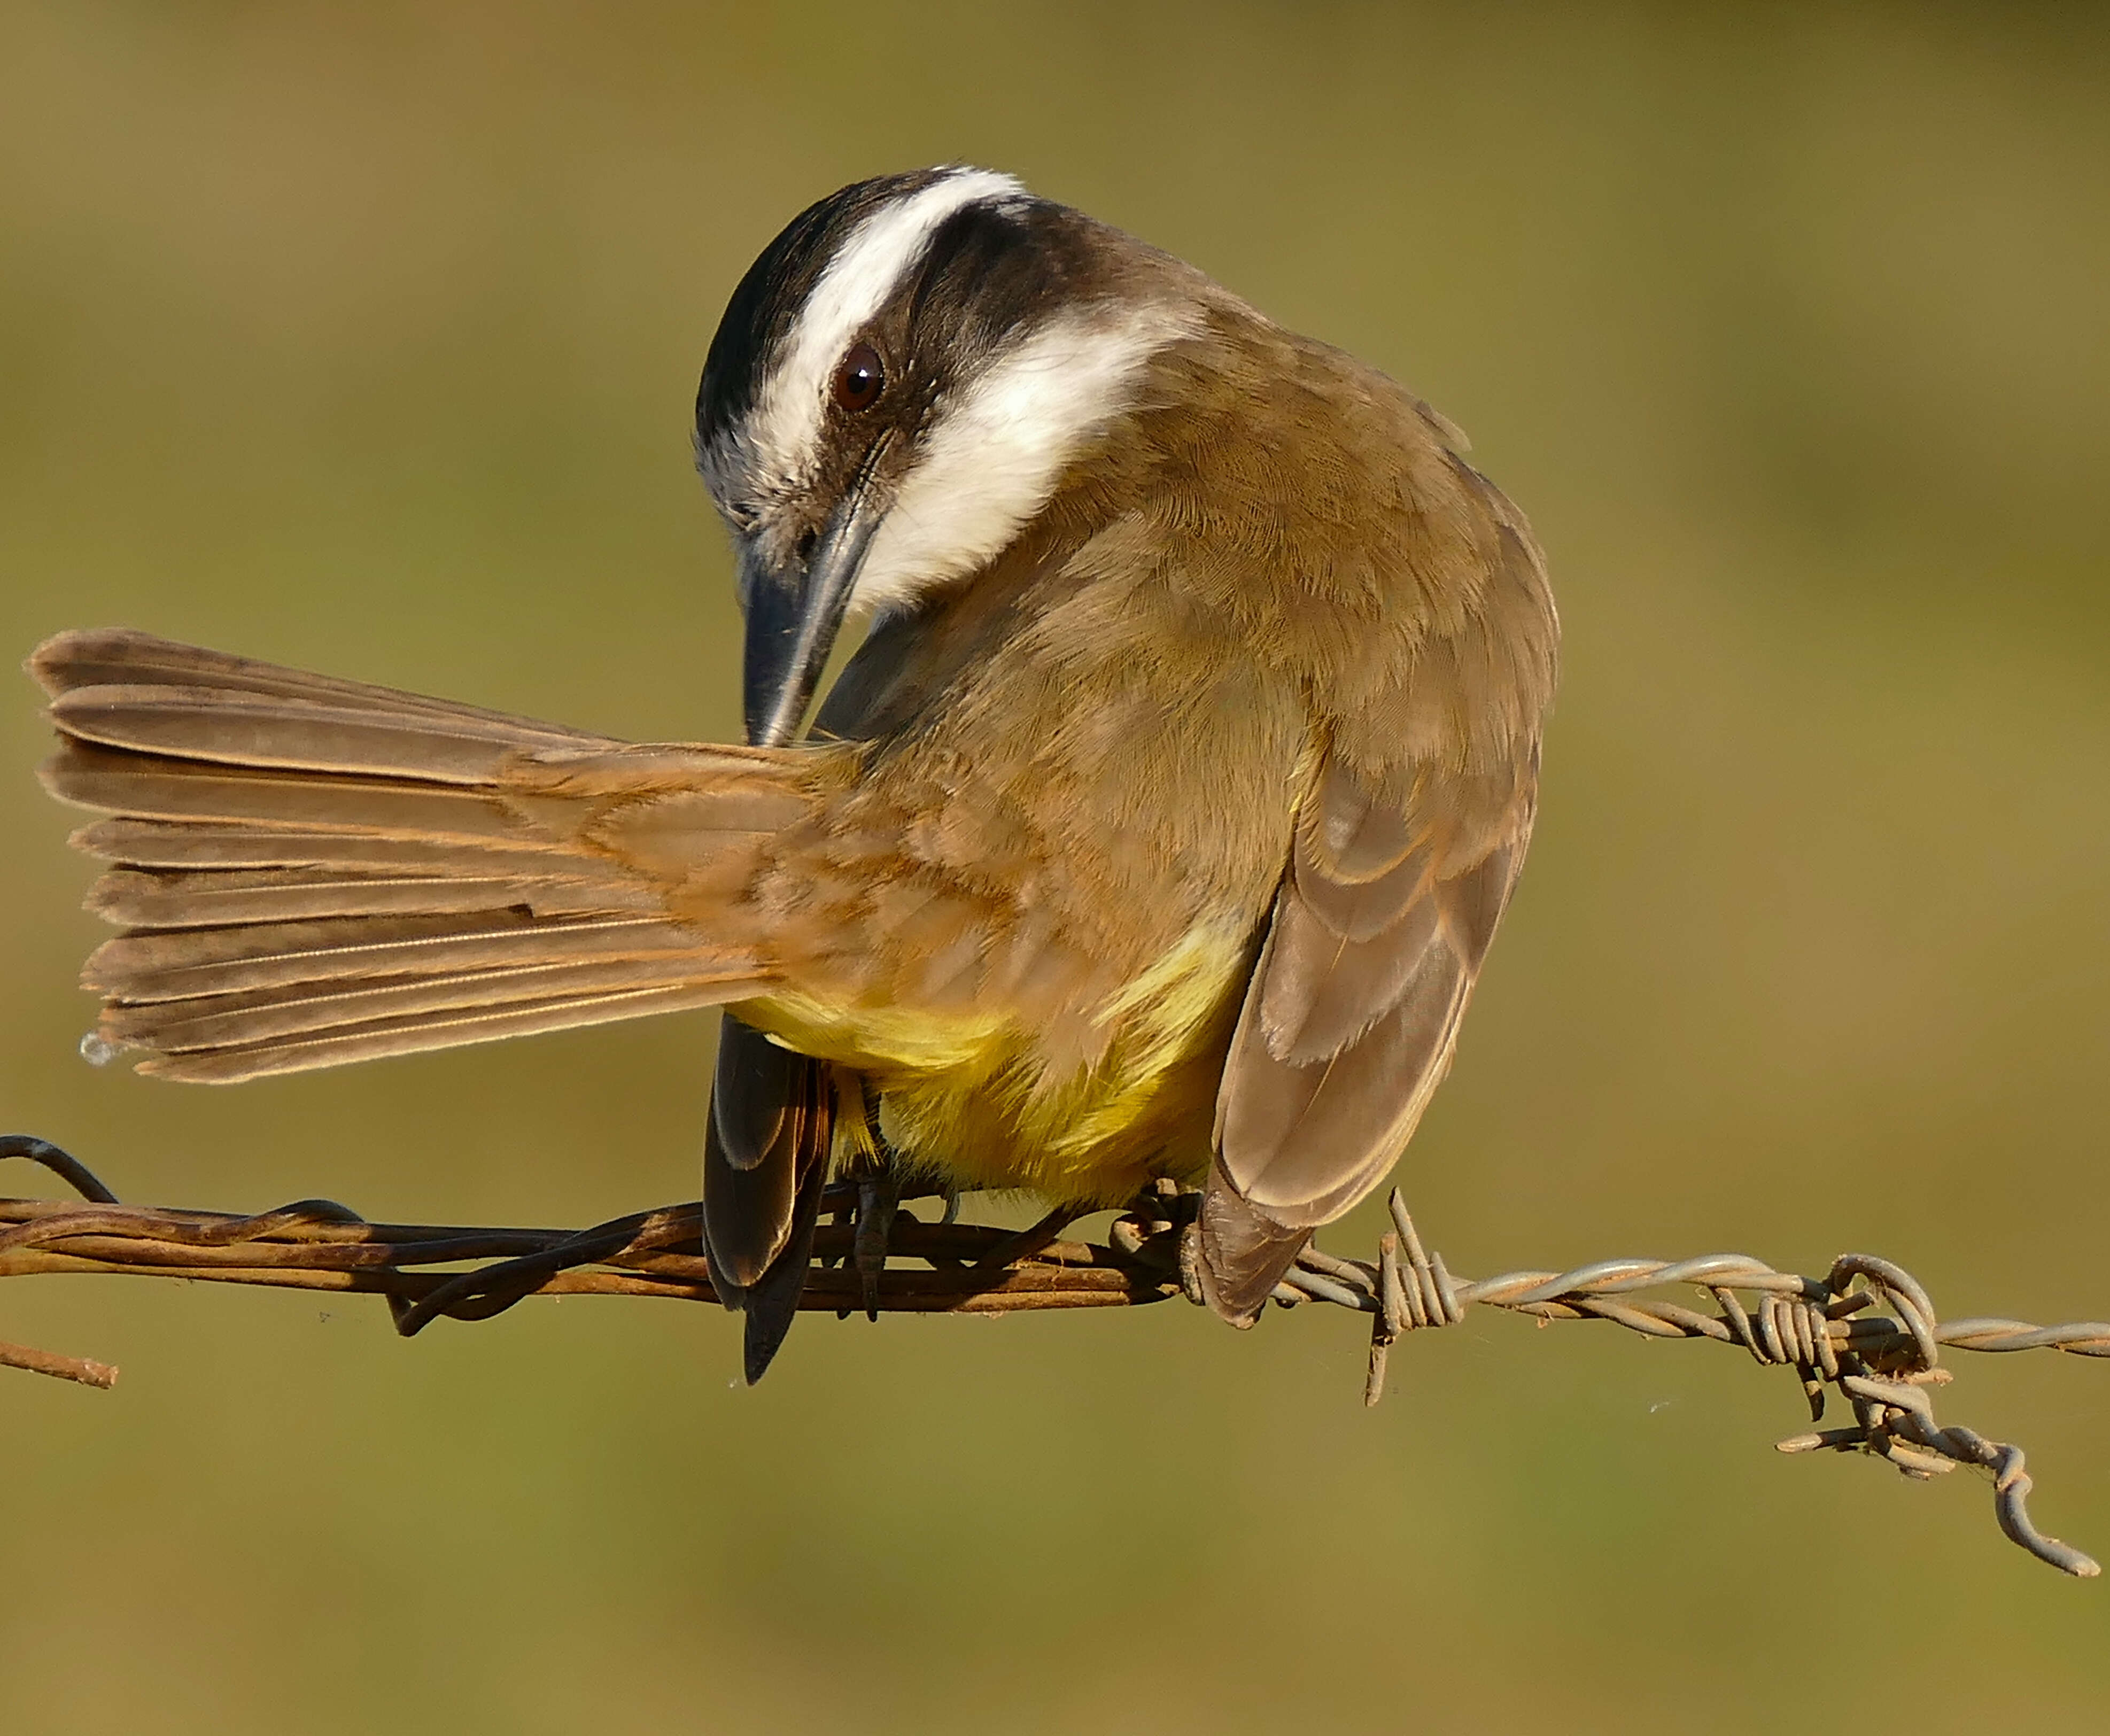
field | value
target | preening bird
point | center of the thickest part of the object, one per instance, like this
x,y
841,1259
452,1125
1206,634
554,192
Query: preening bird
x,y
1158,827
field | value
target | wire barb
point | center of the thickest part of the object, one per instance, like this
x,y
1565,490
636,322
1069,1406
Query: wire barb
x,y
1867,1331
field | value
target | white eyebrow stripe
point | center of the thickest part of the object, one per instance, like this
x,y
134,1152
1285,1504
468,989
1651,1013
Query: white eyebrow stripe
x,y
787,424
994,453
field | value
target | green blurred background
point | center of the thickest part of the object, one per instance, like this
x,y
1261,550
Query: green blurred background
x,y
365,338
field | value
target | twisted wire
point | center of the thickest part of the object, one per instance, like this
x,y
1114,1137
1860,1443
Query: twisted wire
x,y
1867,1330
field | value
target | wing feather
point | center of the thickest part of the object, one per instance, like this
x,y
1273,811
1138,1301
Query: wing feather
x,y
1405,855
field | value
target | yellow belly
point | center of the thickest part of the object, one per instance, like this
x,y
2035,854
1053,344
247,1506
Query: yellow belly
x,y
974,1095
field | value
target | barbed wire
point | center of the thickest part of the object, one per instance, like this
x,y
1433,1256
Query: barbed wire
x,y
1867,1330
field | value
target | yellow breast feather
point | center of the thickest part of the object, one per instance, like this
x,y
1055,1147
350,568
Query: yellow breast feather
x,y
973,1096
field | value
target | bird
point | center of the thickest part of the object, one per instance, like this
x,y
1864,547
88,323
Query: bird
x,y
1157,825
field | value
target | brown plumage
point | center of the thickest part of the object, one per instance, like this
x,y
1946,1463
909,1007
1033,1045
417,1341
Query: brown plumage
x,y
1171,841
315,871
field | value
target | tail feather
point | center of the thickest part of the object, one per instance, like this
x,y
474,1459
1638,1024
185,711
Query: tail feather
x,y
230,845
192,900
117,657
310,872
185,964
153,787
244,1020
245,729
412,1036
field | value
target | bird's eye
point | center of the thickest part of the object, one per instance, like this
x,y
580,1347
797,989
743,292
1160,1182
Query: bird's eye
x,y
860,379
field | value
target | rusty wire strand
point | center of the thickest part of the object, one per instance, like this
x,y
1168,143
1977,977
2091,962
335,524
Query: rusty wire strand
x,y
1867,1330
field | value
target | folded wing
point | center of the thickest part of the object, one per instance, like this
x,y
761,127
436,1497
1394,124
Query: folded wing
x,y
1406,851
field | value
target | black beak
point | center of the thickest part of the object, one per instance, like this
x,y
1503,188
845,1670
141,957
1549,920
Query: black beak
x,y
795,609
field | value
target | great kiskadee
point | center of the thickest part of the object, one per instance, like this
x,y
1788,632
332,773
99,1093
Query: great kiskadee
x,y
1159,827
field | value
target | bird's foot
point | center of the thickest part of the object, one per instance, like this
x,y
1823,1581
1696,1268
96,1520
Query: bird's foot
x,y
878,1199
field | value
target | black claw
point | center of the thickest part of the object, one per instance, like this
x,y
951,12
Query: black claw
x,y
878,1197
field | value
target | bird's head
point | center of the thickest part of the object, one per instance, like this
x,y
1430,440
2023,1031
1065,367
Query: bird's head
x,y
898,386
